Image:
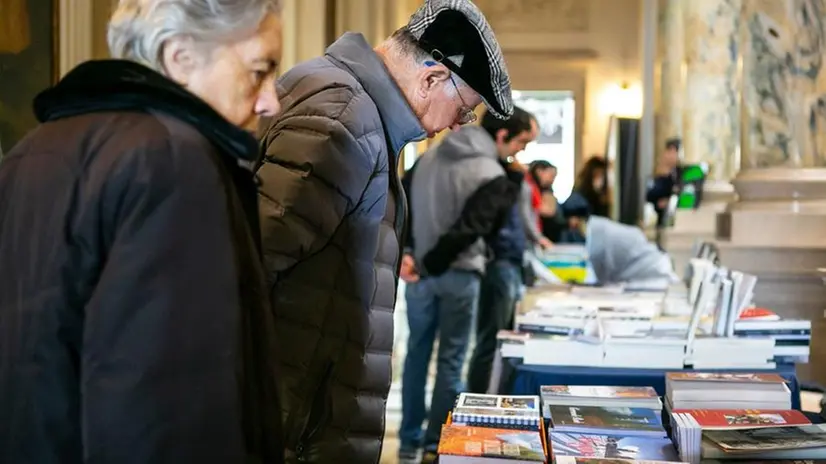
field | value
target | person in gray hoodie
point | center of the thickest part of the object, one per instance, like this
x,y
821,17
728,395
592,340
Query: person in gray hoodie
x,y
618,253
459,196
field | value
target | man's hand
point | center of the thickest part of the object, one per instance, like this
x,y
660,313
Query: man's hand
x,y
545,243
408,272
662,203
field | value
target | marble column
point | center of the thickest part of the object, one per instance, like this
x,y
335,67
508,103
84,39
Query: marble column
x,y
711,109
701,104
671,52
777,228
783,169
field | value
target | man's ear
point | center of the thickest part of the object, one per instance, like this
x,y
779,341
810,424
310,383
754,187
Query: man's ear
x,y
501,135
432,77
179,59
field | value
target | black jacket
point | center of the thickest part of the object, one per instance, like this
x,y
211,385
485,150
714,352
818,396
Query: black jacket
x,y
133,323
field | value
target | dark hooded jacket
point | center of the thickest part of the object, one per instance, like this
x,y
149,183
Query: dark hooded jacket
x,y
133,323
332,215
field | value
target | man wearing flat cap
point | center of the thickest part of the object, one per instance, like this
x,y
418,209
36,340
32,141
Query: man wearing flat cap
x,y
333,211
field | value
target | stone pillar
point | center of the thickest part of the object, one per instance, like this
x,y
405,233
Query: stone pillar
x,y
671,53
711,131
701,104
777,229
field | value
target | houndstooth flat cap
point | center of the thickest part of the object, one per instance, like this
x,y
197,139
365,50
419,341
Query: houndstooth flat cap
x,y
456,33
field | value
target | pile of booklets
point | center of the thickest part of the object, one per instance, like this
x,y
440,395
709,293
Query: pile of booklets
x,y
605,423
738,416
489,429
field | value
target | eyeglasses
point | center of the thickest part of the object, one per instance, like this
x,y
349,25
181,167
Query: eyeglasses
x,y
466,113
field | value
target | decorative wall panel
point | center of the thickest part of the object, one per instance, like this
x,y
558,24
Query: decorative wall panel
x,y
547,16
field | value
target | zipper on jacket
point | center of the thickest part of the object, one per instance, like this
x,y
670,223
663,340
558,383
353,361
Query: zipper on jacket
x,y
401,209
319,405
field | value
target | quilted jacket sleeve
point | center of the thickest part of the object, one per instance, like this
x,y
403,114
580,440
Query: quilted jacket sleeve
x,y
314,174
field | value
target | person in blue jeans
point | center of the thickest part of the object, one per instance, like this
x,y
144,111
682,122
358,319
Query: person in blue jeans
x,y
501,285
459,194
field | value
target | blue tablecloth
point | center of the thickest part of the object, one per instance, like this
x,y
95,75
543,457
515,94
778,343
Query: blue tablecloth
x,y
526,379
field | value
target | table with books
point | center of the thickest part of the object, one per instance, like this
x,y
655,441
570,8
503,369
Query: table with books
x,y
618,335
703,417
526,379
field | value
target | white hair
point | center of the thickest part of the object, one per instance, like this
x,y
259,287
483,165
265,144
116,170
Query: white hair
x,y
139,29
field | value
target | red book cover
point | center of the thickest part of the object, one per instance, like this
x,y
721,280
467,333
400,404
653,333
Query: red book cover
x,y
745,418
757,314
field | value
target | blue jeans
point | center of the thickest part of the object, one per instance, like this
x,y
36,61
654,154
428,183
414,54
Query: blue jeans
x,y
445,305
501,289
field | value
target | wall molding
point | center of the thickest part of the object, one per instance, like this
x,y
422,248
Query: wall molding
x,y
75,29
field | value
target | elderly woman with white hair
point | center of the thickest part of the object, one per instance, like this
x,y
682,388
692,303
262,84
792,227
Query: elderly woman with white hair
x,y
134,326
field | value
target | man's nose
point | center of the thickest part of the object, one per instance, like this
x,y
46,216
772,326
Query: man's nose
x,y
267,103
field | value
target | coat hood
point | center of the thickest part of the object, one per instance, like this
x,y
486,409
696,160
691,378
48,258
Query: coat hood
x,y
468,142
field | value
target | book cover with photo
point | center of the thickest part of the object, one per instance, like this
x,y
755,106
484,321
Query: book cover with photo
x,y
744,418
769,438
604,446
458,440
608,421
499,402
503,411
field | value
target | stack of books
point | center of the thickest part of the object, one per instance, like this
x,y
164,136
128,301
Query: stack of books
x,y
791,442
791,337
692,428
717,390
711,412
603,422
489,429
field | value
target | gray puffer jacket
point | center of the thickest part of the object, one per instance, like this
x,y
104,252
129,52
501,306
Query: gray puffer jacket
x,y
332,216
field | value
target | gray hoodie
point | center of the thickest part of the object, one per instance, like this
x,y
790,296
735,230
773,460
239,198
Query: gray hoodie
x,y
622,253
446,176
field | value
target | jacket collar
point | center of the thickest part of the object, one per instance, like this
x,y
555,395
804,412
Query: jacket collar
x,y
352,52
117,85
